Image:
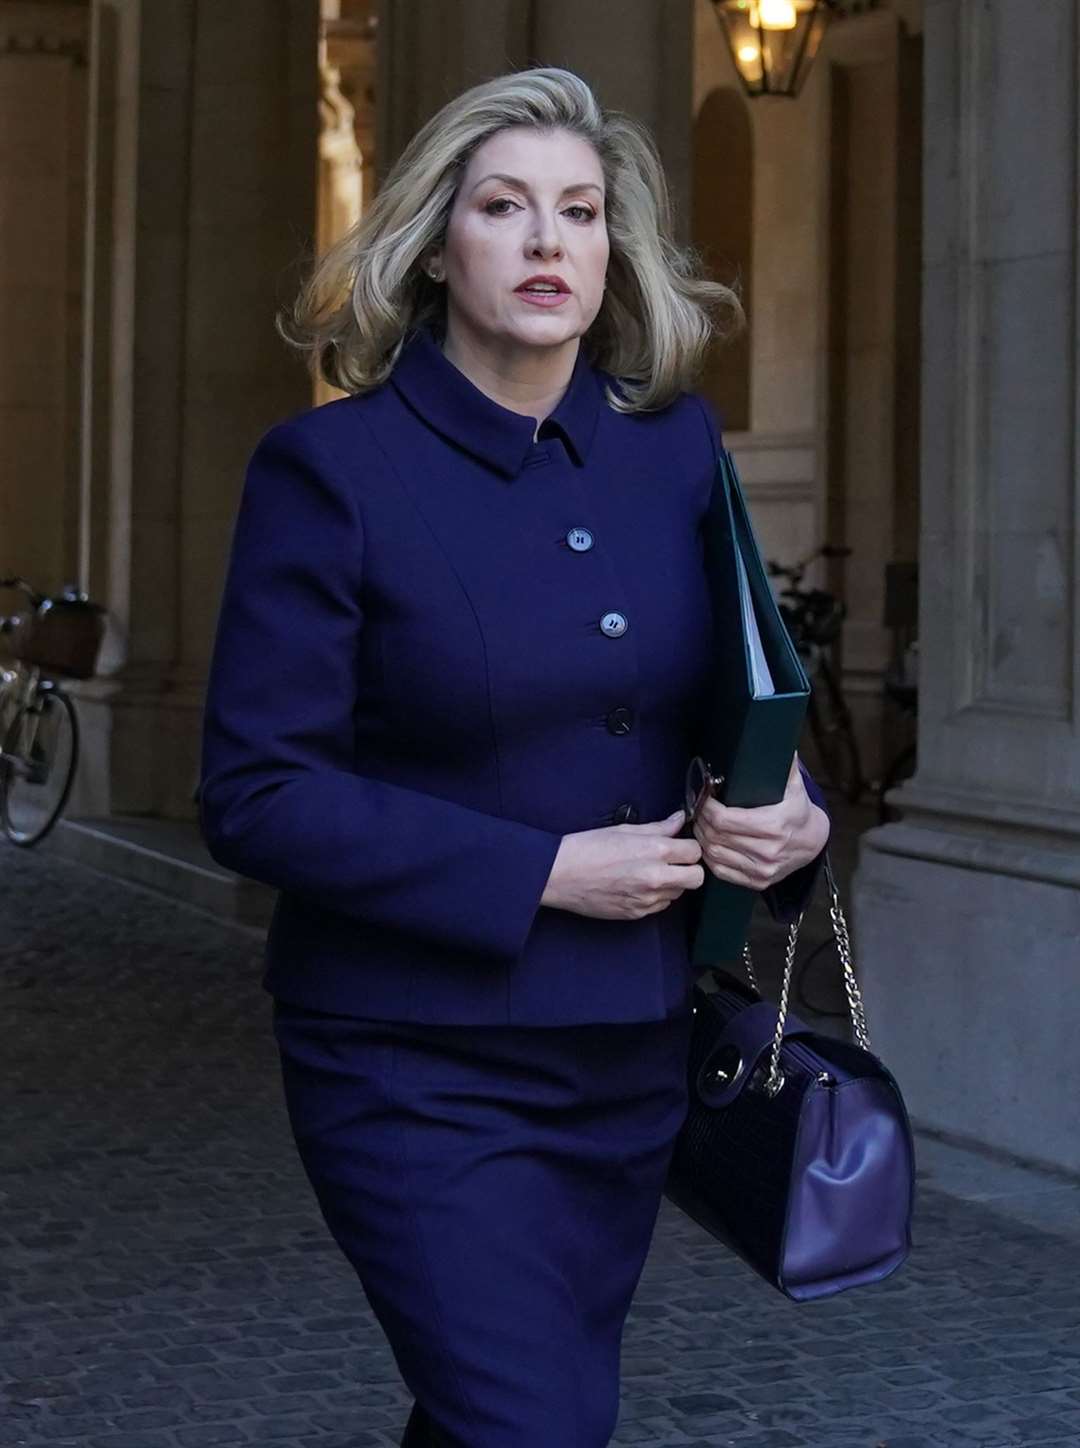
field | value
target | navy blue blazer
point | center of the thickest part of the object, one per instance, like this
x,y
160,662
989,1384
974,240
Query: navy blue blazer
x,y
441,646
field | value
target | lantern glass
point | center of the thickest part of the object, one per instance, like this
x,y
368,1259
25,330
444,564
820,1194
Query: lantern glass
x,y
773,42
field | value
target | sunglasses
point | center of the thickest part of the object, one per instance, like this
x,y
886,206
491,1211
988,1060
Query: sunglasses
x,y
701,784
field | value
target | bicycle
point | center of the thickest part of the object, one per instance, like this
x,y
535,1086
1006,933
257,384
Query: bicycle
x,y
39,728
814,619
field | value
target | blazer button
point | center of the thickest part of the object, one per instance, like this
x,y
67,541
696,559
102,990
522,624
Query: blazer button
x,y
620,720
580,539
613,624
625,814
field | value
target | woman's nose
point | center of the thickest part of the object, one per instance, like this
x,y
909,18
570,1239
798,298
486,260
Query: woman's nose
x,y
545,238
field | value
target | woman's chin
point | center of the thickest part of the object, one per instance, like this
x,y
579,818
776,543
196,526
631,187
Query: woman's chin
x,y
545,330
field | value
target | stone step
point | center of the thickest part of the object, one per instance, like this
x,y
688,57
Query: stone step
x,y
164,855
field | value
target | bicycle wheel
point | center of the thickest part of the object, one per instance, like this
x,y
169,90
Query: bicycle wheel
x,y
37,767
833,734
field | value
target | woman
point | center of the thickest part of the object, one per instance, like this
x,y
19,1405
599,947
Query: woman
x,y
462,644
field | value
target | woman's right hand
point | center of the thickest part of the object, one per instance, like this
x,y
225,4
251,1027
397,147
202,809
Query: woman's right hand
x,y
621,872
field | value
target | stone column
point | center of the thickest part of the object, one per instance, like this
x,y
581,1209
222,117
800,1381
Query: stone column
x,y
429,51
635,53
205,136
870,345
967,912
638,56
43,72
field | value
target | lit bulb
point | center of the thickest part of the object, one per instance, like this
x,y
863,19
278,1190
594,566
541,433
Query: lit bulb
x,y
749,54
777,14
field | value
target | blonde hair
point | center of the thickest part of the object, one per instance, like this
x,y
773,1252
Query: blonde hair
x,y
370,290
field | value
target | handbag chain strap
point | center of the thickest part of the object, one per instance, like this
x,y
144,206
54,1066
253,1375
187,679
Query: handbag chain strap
x,y
774,1078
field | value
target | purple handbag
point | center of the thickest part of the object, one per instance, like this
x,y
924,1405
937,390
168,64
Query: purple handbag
x,y
796,1150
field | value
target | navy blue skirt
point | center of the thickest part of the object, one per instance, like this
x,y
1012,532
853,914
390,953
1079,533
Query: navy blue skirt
x,y
496,1189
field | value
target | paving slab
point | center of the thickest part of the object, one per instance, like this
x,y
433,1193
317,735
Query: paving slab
x,y
166,1280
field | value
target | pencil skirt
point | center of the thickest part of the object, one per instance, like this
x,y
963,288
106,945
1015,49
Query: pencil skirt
x,y
496,1189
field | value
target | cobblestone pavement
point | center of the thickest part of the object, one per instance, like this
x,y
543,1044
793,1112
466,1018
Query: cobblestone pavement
x,y
166,1281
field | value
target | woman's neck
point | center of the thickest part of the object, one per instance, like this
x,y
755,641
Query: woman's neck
x,y
524,379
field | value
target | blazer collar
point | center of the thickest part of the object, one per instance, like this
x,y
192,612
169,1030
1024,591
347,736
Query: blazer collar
x,y
445,398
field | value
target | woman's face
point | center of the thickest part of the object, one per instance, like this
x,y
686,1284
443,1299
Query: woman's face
x,y
530,203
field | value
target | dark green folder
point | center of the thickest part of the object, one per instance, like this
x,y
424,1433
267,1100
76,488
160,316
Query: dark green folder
x,y
749,738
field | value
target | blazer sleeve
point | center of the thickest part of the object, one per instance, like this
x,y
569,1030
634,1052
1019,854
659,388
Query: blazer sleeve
x,y
279,798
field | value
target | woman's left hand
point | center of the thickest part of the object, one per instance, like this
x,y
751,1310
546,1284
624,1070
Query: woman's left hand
x,y
758,847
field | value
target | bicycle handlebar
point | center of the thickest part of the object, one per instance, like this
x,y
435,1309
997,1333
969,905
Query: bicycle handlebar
x,y
14,581
70,593
795,571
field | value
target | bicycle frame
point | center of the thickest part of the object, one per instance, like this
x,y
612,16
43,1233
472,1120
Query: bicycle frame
x,y
18,685
20,689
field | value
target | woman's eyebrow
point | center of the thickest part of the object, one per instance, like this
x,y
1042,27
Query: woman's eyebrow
x,y
524,185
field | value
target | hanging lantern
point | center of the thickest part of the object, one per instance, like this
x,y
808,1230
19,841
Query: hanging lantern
x,y
773,42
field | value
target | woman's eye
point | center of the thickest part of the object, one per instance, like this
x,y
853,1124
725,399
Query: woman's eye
x,y
586,213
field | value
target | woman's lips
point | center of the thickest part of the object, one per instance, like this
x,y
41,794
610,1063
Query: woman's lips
x,y
544,299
